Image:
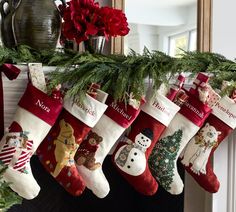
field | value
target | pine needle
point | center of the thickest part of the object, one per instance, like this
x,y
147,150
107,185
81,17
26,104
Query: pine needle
x,y
7,196
119,74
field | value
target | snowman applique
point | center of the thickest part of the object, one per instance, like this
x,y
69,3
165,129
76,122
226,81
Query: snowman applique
x,y
130,158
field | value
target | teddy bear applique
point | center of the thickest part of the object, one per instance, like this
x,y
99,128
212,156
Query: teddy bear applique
x,y
86,153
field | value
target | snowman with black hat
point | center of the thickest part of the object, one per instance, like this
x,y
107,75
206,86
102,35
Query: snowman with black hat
x,y
130,158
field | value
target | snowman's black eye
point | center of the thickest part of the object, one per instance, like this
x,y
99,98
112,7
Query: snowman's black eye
x,y
147,140
141,137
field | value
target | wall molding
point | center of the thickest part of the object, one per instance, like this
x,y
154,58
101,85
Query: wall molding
x,y
231,177
204,25
117,43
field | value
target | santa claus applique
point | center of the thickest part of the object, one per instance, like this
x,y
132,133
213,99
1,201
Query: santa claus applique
x,y
17,149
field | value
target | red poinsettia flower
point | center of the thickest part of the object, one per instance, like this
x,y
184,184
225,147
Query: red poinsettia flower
x,y
115,22
84,18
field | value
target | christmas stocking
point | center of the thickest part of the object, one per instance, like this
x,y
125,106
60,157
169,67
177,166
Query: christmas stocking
x,y
36,114
163,159
200,149
57,151
96,146
131,158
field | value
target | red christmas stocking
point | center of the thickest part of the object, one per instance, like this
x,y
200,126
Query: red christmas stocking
x,y
163,160
96,146
34,117
131,158
57,151
200,149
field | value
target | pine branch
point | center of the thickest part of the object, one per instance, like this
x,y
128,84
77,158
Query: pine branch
x,y
119,74
8,198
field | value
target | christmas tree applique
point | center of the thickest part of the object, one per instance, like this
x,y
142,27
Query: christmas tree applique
x,y
162,159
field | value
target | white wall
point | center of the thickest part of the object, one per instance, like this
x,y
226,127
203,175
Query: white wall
x,y
155,16
165,31
224,34
190,22
224,31
139,36
152,28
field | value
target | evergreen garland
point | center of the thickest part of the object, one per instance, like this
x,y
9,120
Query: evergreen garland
x,y
7,196
120,74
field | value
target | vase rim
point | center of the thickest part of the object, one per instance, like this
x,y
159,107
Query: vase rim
x,y
96,36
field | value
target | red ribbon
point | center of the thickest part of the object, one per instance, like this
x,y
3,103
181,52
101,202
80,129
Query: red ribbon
x,y
11,73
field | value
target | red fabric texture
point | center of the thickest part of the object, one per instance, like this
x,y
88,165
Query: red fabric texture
x,y
195,110
40,104
209,180
58,150
143,183
123,114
